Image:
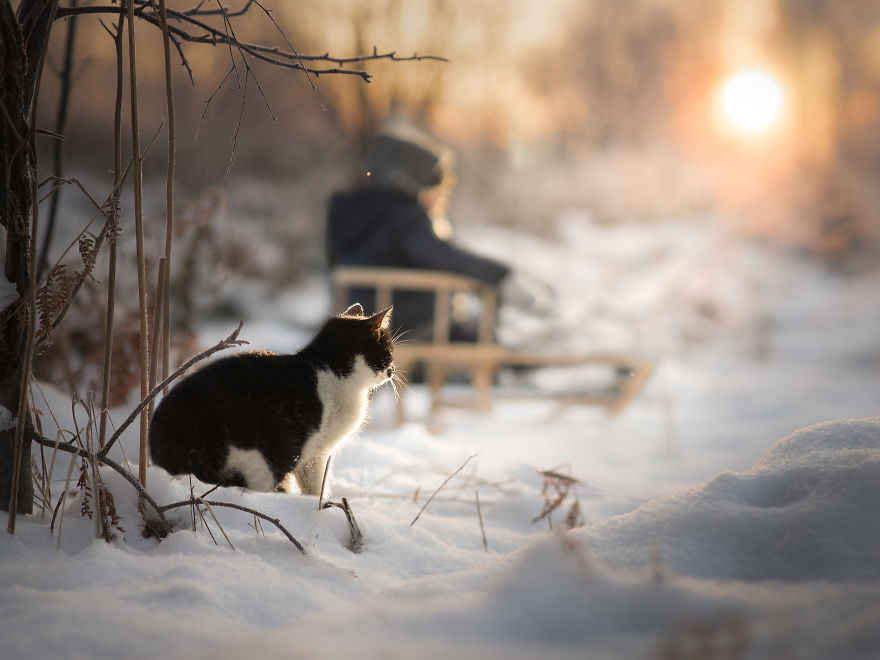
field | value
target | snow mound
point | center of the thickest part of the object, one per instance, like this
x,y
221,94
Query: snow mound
x,y
550,600
808,510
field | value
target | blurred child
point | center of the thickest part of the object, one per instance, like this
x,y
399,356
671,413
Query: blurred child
x,y
396,218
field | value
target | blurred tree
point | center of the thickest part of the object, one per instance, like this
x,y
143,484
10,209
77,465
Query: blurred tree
x,y
623,71
349,26
832,53
480,97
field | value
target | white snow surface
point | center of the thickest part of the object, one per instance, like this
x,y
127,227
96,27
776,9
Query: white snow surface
x,y
8,293
713,527
7,419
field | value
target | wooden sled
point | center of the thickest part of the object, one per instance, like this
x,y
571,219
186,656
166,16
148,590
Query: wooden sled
x,y
482,359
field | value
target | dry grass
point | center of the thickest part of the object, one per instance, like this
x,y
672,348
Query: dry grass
x,y
558,489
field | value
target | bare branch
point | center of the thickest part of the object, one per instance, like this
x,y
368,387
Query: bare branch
x,y
208,101
356,542
440,487
229,342
272,55
217,522
240,116
480,516
58,145
163,301
110,219
71,448
293,50
198,11
183,61
239,507
324,482
248,73
114,223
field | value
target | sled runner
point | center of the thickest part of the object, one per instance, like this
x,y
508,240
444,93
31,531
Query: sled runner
x,y
482,359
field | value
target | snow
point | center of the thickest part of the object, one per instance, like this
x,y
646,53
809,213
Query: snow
x,y
7,419
8,293
730,511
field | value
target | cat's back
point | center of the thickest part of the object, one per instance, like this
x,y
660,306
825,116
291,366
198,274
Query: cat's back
x,y
240,374
243,389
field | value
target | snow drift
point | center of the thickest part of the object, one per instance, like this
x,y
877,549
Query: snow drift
x,y
808,510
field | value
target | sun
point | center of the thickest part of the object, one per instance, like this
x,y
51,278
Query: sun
x,y
752,100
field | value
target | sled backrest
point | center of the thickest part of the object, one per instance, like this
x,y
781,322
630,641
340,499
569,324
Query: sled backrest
x,y
384,281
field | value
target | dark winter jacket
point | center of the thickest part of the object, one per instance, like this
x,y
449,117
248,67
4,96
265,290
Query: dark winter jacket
x,y
384,228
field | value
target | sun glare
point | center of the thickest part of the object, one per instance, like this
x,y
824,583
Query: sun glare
x,y
752,100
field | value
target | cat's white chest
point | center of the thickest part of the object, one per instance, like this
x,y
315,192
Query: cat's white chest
x,y
344,403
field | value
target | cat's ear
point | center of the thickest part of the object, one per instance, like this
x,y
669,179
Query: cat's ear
x,y
355,310
381,320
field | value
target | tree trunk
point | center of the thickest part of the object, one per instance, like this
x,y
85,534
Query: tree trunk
x,y
23,43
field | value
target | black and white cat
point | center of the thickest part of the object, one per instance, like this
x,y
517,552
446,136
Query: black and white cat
x,y
263,420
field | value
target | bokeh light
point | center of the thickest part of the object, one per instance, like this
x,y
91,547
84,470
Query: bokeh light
x,y
752,100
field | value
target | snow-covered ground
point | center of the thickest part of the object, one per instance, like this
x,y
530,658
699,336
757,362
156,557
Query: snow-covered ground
x,y
708,524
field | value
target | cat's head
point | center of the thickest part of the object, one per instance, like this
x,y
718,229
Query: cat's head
x,y
359,346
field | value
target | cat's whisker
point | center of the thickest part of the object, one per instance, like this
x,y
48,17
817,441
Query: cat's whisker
x,y
397,339
399,387
398,382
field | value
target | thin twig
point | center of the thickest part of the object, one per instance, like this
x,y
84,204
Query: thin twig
x,y
208,101
230,341
169,193
248,73
324,482
62,496
111,221
209,491
192,508
563,485
239,507
217,522
292,50
78,451
58,145
198,11
95,474
480,516
205,524
554,474
111,233
45,477
158,306
139,240
440,487
59,435
356,540
272,55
